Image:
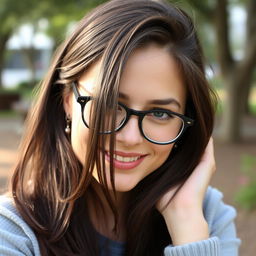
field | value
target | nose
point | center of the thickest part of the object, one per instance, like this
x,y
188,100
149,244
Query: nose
x,y
130,134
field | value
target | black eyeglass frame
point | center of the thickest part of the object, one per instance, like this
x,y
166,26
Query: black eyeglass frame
x,y
82,100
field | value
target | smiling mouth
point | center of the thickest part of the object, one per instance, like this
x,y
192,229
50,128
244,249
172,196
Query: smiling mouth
x,y
125,161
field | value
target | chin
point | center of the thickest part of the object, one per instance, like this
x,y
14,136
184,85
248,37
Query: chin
x,y
124,184
123,187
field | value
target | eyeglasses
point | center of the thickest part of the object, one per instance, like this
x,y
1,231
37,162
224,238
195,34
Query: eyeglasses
x,y
159,126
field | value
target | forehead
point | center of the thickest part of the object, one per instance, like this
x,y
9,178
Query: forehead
x,y
88,80
150,73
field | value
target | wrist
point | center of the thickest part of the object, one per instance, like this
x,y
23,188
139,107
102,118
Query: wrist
x,y
186,227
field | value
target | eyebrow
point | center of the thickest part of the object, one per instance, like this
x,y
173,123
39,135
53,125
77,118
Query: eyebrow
x,y
155,101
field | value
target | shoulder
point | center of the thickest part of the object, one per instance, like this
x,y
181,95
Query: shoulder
x,y
215,210
16,237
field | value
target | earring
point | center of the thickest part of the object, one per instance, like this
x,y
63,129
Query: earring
x,y
68,122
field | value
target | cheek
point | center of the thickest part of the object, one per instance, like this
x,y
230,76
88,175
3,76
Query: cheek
x,y
79,138
162,152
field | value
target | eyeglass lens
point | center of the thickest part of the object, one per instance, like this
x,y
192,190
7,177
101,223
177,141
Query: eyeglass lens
x,y
157,126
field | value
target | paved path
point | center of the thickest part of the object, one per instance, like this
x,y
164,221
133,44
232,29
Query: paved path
x,y
10,134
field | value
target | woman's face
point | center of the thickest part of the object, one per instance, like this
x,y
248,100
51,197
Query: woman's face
x,y
151,77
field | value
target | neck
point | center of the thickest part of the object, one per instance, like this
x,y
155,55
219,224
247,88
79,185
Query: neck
x,y
108,220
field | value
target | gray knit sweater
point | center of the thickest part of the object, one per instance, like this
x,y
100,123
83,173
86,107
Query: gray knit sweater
x,y
17,238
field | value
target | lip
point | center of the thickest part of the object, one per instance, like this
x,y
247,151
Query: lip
x,y
126,165
128,154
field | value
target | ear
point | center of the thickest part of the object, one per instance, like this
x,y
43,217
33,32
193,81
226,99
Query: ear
x,y
68,103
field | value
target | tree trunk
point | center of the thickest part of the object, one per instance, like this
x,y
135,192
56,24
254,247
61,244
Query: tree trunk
x,y
236,75
246,96
233,109
231,128
3,40
250,32
237,84
225,58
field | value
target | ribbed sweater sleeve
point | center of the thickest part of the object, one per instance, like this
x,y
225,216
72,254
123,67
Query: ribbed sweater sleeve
x,y
222,241
207,247
16,237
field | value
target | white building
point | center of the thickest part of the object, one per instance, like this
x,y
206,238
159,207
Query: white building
x,y
16,70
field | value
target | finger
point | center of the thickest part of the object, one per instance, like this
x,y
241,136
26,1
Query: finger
x,y
203,172
207,161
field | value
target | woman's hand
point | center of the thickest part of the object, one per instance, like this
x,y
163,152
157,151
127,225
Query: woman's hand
x,y
184,213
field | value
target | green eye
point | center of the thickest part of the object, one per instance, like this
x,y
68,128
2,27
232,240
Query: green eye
x,y
159,115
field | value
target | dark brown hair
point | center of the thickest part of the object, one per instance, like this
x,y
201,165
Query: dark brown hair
x,y
50,186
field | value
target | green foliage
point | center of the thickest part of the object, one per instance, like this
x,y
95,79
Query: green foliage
x,y
9,114
252,108
216,82
246,196
24,89
13,12
63,13
57,13
26,85
8,91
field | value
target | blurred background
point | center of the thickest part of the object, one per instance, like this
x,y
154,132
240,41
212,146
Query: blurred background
x,y
31,30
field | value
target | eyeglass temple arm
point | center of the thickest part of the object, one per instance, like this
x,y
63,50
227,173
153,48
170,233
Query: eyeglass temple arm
x,y
190,122
75,90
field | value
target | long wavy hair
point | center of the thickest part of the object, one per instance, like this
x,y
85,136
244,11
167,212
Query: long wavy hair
x,y
50,187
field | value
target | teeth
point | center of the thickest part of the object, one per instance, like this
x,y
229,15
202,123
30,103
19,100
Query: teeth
x,y
125,159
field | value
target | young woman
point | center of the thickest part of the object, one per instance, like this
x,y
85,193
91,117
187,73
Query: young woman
x,y
117,155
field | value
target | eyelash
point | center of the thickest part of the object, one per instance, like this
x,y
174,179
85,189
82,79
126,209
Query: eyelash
x,y
161,109
149,109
